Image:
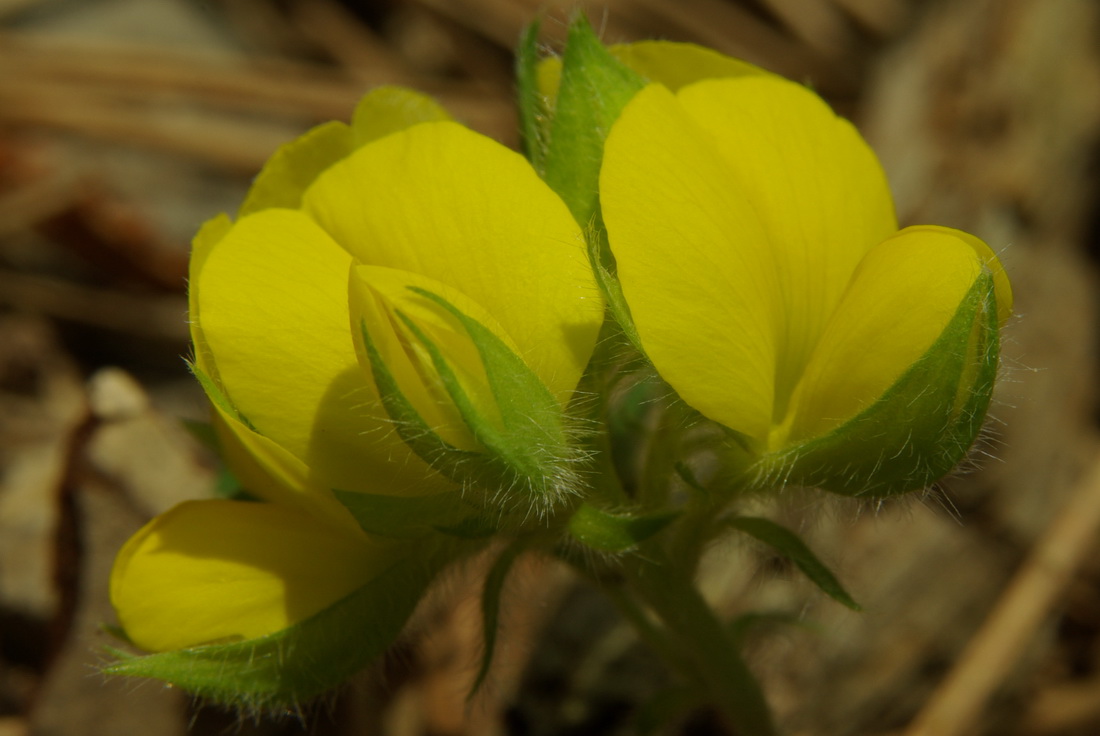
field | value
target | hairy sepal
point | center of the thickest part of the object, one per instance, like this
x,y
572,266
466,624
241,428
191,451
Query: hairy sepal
x,y
526,462
920,428
615,533
529,454
285,669
533,112
595,86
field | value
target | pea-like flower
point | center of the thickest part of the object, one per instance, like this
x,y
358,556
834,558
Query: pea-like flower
x,y
769,284
405,261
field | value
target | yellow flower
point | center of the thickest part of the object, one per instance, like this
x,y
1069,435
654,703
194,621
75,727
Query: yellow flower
x,y
336,231
433,206
759,254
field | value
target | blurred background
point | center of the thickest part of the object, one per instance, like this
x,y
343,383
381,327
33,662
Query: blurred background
x,y
124,124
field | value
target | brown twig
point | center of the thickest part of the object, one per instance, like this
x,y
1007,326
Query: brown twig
x,y
954,708
136,93
154,316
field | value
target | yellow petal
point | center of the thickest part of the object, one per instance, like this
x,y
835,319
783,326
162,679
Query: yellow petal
x,y
694,261
548,78
442,201
678,64
816,187
209,571
295,165
269,472
672,64
386,110
1001,286
208,236
274,311
377,296
901,298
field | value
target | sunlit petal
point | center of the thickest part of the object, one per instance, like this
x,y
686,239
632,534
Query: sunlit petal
x,y
900,299
273,299
211,571
452,205
695,262
816,188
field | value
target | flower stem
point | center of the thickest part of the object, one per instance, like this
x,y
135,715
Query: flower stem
x,y
714,661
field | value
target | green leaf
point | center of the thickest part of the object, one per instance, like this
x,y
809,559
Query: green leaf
x,y
490,607
788,544
689,478
288,667
615,532
921,427
533,115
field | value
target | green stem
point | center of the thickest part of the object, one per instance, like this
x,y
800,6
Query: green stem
x,y
716,665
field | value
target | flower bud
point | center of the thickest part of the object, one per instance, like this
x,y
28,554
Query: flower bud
x,y
457,389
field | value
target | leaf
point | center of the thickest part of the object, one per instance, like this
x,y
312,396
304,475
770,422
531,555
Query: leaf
x,y
615,532
490,607
793,548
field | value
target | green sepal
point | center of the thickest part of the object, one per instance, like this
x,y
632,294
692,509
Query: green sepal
x,y
595,86
490,607
406,516
604,269
531,444
594,89
533,113
216,395
921,427
608,532
286,668
791,546
452,462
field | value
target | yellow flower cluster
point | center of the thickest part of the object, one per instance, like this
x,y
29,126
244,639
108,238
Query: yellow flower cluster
x,y
399,298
